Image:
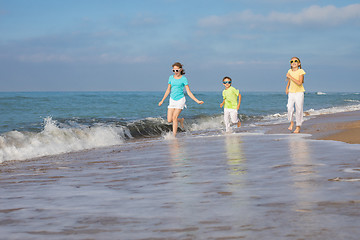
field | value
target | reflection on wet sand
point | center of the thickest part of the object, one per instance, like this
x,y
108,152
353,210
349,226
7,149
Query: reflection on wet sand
x,y
300,155
302,173
177,152
179,158
236,167
235,156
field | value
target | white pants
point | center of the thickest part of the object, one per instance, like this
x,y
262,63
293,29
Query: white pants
x,y
298,100
230,116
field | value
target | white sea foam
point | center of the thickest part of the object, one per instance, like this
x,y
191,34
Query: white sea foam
x,y
168,136
320,93
352,100
213,123
331,110
54,140
207,123
282,117
276,118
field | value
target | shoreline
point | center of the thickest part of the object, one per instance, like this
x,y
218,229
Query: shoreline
x,y
207,187
343,127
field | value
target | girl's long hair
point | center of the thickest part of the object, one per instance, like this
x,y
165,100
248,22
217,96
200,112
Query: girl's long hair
x,y
179,65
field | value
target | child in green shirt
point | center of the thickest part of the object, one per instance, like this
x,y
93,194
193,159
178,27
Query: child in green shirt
x,y
230,103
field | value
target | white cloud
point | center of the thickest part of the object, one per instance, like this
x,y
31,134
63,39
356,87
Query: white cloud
x,y
104,58
313,15
329,15
40,58
116,58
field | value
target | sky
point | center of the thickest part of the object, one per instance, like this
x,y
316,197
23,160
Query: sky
x,y
123,45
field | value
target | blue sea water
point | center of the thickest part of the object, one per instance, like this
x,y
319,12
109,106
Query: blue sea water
x,y
34,124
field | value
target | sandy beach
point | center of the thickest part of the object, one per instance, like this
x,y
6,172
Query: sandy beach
x,y
338,127
237,186
344,127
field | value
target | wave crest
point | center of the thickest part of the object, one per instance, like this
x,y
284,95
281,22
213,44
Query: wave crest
x,y
54,140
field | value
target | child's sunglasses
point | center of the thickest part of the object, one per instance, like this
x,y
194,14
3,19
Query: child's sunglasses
x,y
176,70
294,61
225,82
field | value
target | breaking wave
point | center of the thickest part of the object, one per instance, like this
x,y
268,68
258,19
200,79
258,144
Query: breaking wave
x,y
71,135
54,139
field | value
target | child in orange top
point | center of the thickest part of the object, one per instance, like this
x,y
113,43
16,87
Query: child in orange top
x,y
295,91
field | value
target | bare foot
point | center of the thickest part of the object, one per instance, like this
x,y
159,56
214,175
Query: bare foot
x,y
297,130
291,126
181,120
239,124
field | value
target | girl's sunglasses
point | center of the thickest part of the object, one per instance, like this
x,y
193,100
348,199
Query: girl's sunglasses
x,y
294,61
176,70
225,82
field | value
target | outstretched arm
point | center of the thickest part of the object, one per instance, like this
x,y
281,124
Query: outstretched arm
x,y
167,92
192,95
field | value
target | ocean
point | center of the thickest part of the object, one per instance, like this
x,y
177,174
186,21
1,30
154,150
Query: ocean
x,y
36,124
104,165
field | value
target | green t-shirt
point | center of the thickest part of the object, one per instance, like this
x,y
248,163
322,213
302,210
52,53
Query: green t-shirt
x,y
230,95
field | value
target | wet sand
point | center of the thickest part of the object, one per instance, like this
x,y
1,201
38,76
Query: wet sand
x,y
344,127
236,186
348,132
